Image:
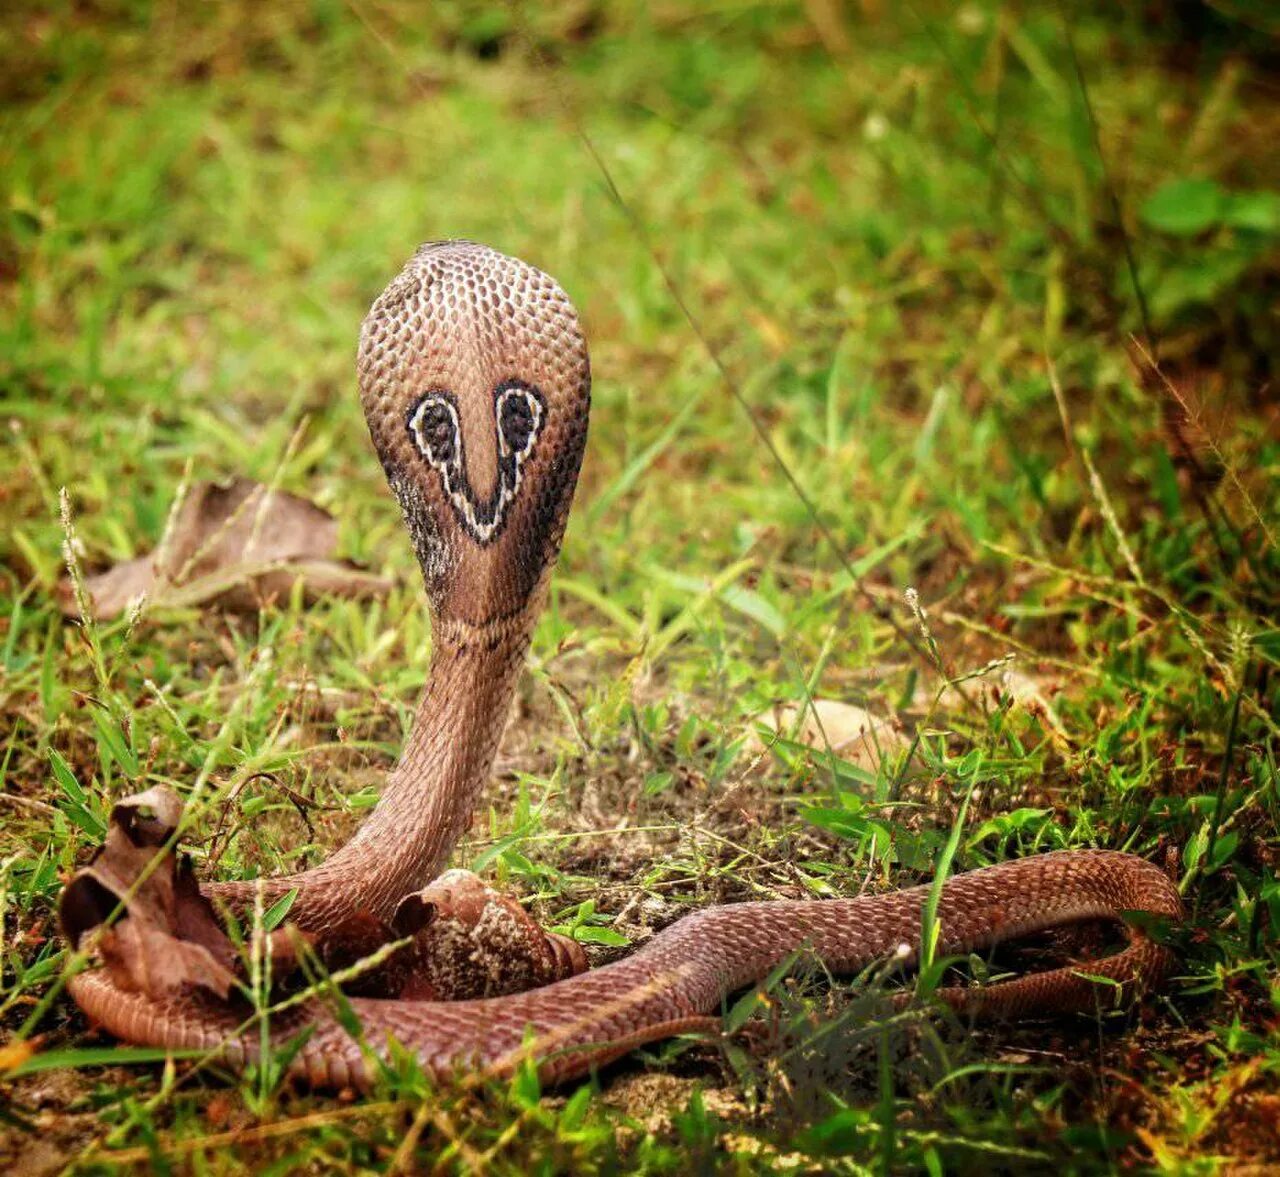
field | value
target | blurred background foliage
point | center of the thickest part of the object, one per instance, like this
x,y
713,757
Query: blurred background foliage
x,y
885,220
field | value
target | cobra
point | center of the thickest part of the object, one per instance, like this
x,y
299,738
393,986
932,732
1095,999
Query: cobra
x,y
475,382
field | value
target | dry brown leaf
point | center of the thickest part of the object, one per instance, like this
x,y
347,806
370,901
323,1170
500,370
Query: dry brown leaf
x,y
167,938
143,958
1033,694
1030,693
461,938
854,734
239,544
15,1052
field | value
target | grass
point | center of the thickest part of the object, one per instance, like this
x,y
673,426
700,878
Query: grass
x,y
897,232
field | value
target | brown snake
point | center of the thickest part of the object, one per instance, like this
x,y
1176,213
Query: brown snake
x,y
475,382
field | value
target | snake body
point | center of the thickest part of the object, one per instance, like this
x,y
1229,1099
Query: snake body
x,y
475,383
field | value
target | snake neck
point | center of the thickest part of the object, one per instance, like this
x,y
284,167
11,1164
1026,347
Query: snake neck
x,y
427,802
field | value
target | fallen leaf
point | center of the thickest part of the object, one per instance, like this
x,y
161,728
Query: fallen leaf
x,y
1027,692
143,957
15,1052
1032,694
138,907
217,1112
166,937
239,545
852,733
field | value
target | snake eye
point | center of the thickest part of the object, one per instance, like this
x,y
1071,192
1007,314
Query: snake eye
x,y
434,426
519,418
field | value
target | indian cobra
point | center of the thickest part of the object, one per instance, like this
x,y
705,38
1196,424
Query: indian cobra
x,y
475,382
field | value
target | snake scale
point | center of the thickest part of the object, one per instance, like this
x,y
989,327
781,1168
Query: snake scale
x,y
475,383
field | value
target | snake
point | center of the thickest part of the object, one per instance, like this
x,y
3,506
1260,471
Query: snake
x,y
475,381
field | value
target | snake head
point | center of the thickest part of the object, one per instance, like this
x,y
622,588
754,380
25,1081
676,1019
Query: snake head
x,y
476,384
